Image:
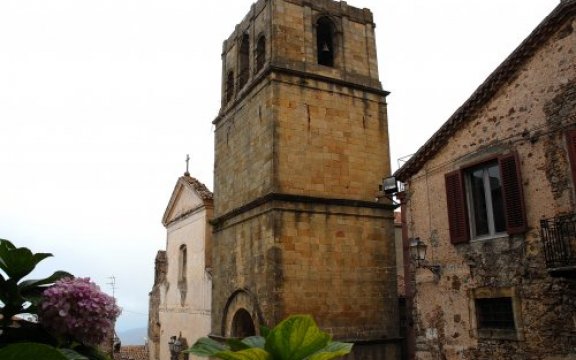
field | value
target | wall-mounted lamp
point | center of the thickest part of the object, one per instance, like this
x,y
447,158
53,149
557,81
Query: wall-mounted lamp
x,y
418,254
175,346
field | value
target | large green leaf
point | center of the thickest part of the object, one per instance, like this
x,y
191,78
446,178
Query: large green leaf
x,y
27,284
18,262
264,330
206,347
248,354
255,342
333,350
90,352
296,338
72,355
237,345
247,343
31,351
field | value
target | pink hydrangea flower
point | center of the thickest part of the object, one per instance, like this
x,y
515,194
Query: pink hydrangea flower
x,y
76,308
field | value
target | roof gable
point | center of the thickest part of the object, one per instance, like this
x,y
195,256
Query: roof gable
x,y
563,13
188,195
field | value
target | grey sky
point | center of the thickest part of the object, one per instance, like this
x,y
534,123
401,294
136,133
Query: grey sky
x,y
100,101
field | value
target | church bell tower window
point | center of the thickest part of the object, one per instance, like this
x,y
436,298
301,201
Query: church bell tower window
x,y
244,61
229,86
325,41
260,53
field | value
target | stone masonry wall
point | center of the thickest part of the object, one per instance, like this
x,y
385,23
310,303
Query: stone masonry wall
x,y
332,141
244,153
339,266
528,115
299,153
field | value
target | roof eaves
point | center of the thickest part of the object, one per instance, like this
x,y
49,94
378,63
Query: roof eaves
x,y
504,72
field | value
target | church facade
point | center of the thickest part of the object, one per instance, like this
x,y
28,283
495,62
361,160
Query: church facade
x,y
301,146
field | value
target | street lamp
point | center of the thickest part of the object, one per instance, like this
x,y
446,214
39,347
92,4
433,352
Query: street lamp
x,y
175,347
418,254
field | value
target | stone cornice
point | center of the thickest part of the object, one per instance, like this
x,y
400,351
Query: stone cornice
x,y
300,199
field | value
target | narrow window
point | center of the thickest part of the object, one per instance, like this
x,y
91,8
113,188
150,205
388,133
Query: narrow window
x,y
325,41
229,86
182,264
244,57
260,53
495,313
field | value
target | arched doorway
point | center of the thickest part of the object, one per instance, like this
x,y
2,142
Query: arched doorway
x,y
242,324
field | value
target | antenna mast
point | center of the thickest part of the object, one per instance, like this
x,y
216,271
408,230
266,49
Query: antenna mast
x,y
112,284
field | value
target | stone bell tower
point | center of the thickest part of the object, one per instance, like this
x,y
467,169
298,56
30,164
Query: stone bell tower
x,y
301,144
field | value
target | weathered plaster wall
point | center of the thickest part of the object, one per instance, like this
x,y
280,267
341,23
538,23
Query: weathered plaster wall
x,y
186,314
527,115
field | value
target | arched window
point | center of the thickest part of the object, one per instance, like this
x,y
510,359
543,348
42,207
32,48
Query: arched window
x,y
260,53
325,41
244,61
229,86
242,324
182,264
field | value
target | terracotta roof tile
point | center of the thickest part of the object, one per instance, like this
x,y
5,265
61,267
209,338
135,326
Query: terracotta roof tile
x,y
132,352
202,190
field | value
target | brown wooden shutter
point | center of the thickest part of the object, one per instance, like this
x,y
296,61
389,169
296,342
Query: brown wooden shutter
x,y
512,193
456,204
571,144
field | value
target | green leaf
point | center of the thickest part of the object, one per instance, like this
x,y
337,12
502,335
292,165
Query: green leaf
x,y
72,355
264,330
333,350
236,345
18,262
90,352
248,354
206,347
24,285
255,341
31,351
296,338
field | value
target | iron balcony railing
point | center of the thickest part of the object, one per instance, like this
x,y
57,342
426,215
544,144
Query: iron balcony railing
x,y
559,237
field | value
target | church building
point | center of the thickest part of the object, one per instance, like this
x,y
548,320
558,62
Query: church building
x,y
296,223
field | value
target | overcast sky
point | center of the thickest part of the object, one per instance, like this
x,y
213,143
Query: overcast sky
x,y
100,101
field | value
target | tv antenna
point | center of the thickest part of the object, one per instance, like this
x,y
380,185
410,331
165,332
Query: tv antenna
x,y
112,284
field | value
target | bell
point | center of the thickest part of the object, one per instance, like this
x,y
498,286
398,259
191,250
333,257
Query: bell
x,y
325,48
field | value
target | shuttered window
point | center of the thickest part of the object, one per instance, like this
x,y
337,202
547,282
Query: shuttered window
x,y
485,200
457,214
513,197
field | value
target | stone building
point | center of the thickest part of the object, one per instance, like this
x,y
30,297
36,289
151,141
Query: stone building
x,y
301,144
492,195
180,300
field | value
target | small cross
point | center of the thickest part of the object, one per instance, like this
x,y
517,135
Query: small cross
x,y
187,163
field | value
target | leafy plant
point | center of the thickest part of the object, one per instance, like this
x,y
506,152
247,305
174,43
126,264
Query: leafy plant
x,y
21,351
75,308
21,296
62,300
295,338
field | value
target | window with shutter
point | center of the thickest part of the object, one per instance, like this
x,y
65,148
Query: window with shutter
x,y
457,217
485,200
513,198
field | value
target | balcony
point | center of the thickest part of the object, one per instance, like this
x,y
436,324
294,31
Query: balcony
x,y
559,237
